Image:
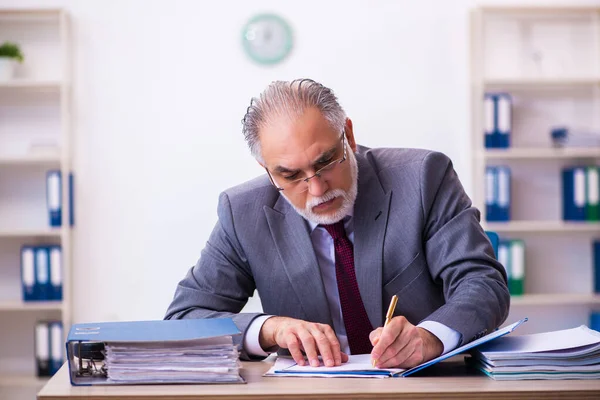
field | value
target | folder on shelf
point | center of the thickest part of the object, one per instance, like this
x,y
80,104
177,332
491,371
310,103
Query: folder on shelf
x,y
596,265
42,273
28,275
504,257
489,108
497,120
42,348
516,283
56,346
504,122
592,206
71,200
56,273
595,321
54,197
498,194
574,193
141,352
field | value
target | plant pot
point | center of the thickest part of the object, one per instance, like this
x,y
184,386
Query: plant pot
x,y
7,68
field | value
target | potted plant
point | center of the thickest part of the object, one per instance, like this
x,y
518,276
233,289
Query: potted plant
x,y
10,55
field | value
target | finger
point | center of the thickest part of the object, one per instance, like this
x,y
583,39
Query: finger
x,y
389,333
406,344
293,345
310,347
323,346
374,335
335,346
407,358
344,357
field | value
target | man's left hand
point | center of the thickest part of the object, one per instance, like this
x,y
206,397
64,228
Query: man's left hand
x,y
400,344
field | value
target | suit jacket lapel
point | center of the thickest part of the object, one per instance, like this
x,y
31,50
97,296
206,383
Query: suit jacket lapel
x,y
370,221
292,240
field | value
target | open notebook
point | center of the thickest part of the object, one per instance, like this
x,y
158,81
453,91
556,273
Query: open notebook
x,y
360,365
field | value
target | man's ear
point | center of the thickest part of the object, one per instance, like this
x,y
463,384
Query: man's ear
x,y
350,134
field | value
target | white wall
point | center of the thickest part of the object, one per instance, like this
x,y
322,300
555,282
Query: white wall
x,y
160,88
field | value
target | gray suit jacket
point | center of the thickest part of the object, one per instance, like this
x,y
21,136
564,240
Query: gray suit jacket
x,y
416,235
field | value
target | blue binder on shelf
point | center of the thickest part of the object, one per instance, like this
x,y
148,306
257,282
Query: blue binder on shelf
x,y
42,273
56,272
596,266
28,275
574,193
42,348
498,194
56,357
497,120
54,197
92,337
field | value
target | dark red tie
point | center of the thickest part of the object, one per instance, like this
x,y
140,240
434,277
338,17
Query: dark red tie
x,y
355,316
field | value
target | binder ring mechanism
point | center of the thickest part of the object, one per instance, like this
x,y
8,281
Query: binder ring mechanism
x,y
89,354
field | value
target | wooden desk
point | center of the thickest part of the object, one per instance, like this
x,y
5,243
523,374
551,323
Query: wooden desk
x,y
448,380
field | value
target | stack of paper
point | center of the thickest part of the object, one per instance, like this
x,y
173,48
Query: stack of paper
x,y
213,360
566,354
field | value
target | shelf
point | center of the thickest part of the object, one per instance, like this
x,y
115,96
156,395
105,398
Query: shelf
x,y
539,83
31,160
19,305
30,84
22,380
536,153
24,233
542,226
557,299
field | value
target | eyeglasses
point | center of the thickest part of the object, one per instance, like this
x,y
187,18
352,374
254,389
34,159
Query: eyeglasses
x,y
299,185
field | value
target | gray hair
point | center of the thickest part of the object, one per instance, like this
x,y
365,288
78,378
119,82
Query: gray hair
x,y
289,99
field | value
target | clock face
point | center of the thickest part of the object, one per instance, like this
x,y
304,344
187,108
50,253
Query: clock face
x,y
267,39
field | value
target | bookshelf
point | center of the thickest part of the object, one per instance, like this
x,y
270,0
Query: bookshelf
x,y
548,60
35,136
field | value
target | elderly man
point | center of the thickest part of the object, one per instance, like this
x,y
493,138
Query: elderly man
x,y
331,232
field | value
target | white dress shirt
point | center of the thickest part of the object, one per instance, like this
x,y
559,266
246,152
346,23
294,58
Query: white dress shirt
x,y
325,252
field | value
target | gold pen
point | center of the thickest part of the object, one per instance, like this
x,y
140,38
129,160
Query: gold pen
x,y
389,315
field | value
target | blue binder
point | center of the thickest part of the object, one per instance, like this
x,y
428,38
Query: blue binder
x,y
42,273
56,272
42,348
71,202
490,194
595,321
55,346
503,183
28,275
54,197
140,331
596,261
574,193
489,107
503,120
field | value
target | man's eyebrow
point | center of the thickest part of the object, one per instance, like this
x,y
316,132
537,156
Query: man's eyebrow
x,y
322,157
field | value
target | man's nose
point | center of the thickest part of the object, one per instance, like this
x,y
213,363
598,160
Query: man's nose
x,y
317,186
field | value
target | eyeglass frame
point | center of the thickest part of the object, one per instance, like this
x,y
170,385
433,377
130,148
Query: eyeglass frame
x,y
317,173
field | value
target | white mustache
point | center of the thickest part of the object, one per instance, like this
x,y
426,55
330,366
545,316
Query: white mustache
x,y
325,198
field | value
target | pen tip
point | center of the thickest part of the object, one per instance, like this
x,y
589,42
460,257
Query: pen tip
x,y
374,362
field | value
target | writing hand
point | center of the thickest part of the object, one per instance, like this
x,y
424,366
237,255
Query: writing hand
x,y
400,344
297,336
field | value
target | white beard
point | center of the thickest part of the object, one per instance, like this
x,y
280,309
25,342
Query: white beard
x,y
349,198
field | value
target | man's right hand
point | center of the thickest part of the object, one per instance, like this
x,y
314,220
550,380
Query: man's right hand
x,y
297,335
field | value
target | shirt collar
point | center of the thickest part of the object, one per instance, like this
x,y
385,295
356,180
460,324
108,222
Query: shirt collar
x,y
313,225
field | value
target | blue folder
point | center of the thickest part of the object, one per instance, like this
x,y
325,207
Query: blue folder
x,y
596,261
42,273
28,275
56,345
573,180
56,272
54,197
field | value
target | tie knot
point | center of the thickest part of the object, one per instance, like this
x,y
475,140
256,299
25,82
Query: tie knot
x,y
337,230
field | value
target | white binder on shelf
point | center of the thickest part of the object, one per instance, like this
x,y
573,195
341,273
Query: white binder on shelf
x,y
42,348
56,346
54,197
42,273
28,276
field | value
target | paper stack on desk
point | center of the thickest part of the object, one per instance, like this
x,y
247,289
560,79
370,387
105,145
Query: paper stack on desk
x,y
140,352
565,354
213,360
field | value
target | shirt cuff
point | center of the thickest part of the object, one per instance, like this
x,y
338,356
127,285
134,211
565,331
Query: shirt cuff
x,y
251,340
448,336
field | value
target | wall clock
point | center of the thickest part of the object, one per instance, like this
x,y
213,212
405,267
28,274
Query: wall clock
x,y
267,39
